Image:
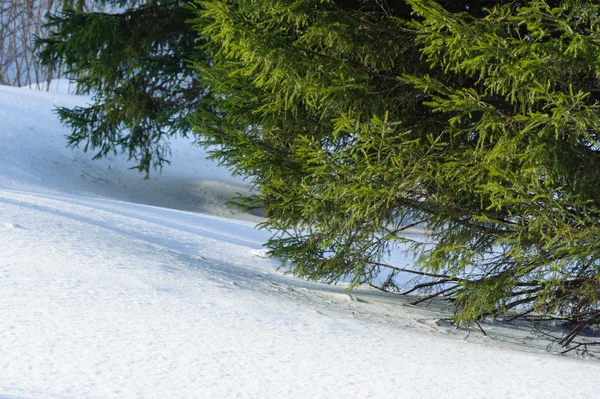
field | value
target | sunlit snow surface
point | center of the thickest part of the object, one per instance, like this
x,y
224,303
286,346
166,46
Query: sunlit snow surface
x,y
103,297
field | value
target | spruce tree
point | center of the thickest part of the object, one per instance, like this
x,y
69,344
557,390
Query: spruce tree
x,y
134,63
477,120
359,120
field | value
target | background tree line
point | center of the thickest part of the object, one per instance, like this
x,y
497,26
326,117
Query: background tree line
x,y
21,21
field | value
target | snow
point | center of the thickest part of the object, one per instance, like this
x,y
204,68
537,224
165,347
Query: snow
x,y
35,158
62,86
113,286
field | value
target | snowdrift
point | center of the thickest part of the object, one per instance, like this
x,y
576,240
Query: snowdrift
x,y
116,286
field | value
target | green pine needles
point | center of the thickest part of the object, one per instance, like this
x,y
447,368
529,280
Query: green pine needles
x,y
135,65
358,121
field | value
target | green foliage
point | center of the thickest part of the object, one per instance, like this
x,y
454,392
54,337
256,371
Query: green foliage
x,y
135,65
359,120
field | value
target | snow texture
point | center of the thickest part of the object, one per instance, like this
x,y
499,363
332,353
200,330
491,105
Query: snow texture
x,y
111,287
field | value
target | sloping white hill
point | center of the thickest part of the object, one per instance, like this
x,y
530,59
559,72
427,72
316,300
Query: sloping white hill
x,y
34,157
103,297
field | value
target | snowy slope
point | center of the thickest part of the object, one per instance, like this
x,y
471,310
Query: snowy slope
x,y
34,157
104,297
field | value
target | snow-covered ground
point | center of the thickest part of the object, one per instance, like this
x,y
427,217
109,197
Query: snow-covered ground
x,y
111,288
34,157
